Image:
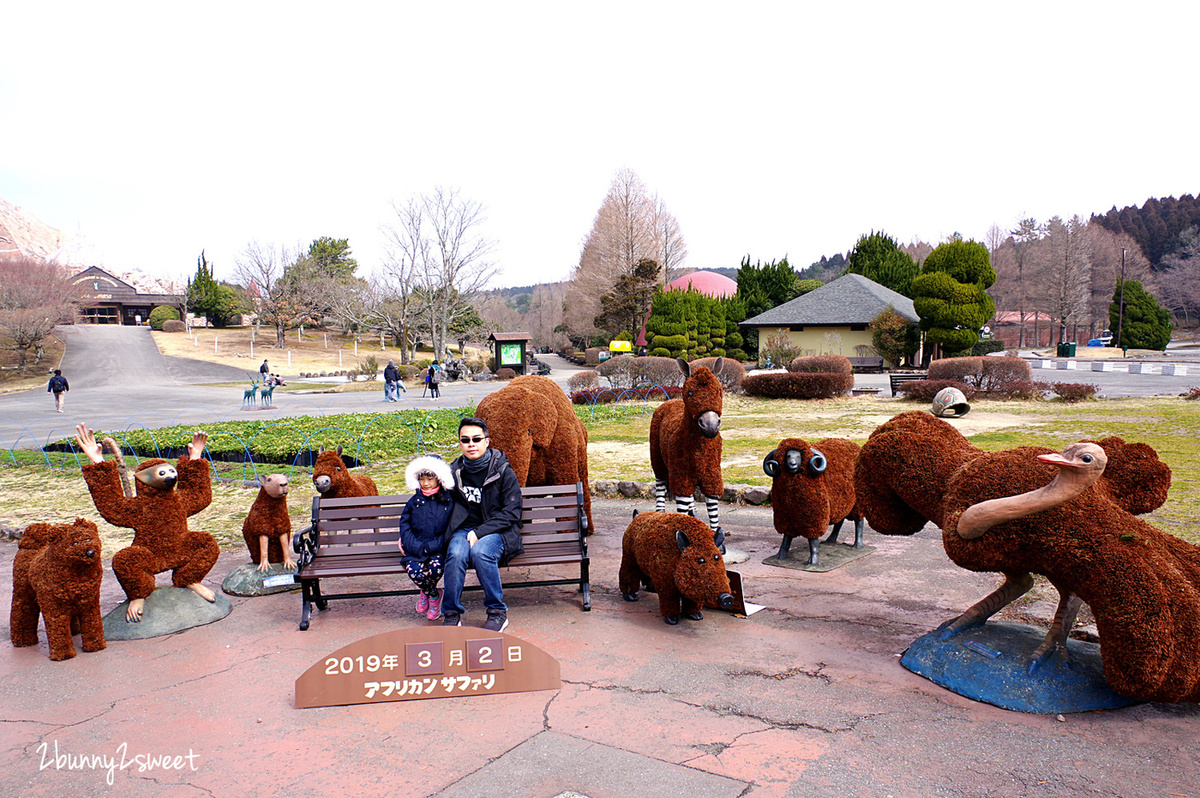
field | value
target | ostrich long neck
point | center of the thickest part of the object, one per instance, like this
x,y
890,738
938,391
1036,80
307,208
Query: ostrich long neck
x,y
1067,484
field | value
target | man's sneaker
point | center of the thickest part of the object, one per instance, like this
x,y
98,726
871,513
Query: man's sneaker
x,y
435,606
451,619
496,622
422,603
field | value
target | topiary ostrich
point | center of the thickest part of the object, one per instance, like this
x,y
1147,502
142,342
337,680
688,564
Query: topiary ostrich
x,y
811,488
685,444
1142,584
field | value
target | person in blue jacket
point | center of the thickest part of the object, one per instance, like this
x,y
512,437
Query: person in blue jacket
x,y
423,525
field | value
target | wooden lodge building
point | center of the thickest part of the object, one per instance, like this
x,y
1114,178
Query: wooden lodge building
x,y
106,300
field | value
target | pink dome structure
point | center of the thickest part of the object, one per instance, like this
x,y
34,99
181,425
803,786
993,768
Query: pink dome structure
x,y
710,284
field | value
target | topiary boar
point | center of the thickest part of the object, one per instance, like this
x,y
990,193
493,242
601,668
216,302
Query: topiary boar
x,y
675,553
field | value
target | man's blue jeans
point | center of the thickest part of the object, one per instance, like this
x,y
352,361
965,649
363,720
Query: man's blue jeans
x,y
484,557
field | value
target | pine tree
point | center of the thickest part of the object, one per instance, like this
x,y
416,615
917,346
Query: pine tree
x,y
1145,324
950,294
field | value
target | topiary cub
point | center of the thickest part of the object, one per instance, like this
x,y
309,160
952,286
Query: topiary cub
x,y
676,554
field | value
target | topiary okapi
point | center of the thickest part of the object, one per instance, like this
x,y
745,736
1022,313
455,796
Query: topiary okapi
x,y
57,574
165,497
533,423
333,480
1141,583
267,529
676,554
811,488
685,444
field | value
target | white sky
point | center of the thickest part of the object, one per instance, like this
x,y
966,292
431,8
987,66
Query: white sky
x,y
157,129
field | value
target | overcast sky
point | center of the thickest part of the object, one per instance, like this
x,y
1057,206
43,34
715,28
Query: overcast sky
x,y
158,129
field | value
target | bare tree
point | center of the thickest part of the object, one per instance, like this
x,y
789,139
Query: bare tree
x,y
35,296
1181,281
439,259
280,302
1027,233
1106,247
398,305
1066,278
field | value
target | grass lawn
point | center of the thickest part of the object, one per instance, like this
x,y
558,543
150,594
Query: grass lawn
x,y
618,449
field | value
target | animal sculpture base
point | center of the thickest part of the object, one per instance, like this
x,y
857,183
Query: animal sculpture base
x,y
247,580
167,610
829,556
988,664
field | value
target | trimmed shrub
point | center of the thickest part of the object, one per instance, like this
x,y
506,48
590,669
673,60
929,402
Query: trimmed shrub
x,y
987,347
174,325
618,370
925,390
657,371
160,314
506,374
793,385
1020,389
658,351
609,395
581,380
821,364
996,371
592,354
957,369
732,372
1072,392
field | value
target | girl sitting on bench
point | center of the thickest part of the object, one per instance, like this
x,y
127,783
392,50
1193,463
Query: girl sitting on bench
x,y
423,524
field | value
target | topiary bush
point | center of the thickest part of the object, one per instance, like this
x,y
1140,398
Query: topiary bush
x,y
160,314
798,385
1072,392
732,372
506,374
583,380
1020,390
609,395
957,369
996,371
821,364
986,347
925,390
618,370
657,371
174,325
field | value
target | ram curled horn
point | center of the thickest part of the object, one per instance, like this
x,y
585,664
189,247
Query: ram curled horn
x,y
771,465
817,463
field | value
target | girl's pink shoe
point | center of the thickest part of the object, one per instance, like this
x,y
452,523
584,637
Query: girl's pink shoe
x,y
435,606
422,603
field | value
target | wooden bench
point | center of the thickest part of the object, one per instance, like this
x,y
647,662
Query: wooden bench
x,y
357,537
873,364
895,378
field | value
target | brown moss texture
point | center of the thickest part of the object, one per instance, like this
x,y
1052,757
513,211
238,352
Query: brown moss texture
x,y
686,579
1142,584
268,516
57,574
158,518
805,505
532,422
680,455
342,483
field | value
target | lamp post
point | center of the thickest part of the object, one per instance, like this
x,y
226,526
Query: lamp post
x,y
1121,303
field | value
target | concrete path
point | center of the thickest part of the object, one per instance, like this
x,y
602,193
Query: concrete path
x,y
805,698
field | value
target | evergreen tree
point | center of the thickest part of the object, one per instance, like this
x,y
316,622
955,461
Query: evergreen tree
x,y
1145,324
950,295
626,305
209,298
878,257
762,287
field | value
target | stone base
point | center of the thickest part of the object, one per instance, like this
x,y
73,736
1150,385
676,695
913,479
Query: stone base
x,y
829,556
988,664
167,610
247,580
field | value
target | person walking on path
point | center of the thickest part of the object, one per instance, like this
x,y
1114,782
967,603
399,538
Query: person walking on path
x,y
486,520
423,526
59,387
391,382
264,370
435,377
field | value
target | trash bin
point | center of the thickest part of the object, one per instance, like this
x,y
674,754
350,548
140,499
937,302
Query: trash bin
x,y
1066,349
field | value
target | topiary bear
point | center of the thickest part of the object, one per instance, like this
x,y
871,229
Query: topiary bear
x,y
675,553
57,573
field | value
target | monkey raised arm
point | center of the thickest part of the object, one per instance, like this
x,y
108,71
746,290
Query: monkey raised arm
x,y
195,484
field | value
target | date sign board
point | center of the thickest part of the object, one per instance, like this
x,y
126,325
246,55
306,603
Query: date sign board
x,y
419,663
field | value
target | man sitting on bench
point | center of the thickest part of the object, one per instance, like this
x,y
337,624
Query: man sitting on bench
x,y
486,520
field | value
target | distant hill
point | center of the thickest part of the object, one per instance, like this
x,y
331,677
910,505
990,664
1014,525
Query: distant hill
x,y
1156,225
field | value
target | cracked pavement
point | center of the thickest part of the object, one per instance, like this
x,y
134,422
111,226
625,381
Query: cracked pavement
x,y
804,698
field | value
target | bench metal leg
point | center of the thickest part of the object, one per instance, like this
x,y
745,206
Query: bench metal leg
x,y
585,586
305,606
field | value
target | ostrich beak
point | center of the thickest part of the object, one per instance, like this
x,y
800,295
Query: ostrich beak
x,y
1058,460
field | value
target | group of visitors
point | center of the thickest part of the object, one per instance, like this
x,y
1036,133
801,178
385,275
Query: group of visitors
x,y
467,513
392,384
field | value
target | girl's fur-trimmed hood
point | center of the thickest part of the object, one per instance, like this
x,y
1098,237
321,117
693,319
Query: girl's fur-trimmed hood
x,y
432,463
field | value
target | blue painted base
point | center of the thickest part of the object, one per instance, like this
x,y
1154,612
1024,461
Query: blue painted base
x,y
988,664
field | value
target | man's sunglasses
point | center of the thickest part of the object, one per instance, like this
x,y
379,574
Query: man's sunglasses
x,y
476,439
